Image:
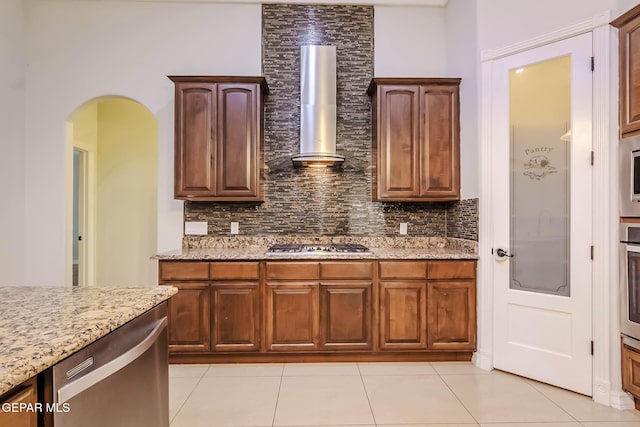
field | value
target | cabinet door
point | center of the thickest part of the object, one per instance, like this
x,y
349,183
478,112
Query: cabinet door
x,y
451,314
236,316
292,316
398,163
631,370
440,145
24,395
237,155
345,315
403,315
195,129
189,318
630,78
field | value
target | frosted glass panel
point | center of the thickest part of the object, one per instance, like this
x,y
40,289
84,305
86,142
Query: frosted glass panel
x,y
540,112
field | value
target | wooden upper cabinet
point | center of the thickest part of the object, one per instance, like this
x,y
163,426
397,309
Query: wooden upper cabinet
x,y
195,144
416,142
629,32
399,151
218,138
238,148
440,157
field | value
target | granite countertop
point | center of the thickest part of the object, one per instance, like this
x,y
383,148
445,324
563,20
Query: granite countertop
x,y
237,254
40,326
211,248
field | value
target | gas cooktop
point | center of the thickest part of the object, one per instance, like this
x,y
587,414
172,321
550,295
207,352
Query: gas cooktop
x,y
300,248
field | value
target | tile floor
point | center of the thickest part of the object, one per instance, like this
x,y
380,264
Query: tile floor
x,y
371,394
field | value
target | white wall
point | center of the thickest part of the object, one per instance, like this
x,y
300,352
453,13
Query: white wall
x,y
463,61
12,117
409,42
503,22
81,50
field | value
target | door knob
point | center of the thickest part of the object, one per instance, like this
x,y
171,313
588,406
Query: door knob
x,y
502,253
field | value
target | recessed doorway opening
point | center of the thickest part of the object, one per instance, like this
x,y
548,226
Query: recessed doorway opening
x,y
112,146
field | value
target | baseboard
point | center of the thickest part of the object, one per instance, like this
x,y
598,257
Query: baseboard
x,y
621,400
483,360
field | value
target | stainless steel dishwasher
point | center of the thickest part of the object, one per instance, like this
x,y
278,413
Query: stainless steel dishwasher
x,y
120,380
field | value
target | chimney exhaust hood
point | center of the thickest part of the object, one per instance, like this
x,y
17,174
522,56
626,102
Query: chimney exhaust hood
x,y
318,108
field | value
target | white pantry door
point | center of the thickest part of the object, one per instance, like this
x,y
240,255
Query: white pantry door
x,y
542,190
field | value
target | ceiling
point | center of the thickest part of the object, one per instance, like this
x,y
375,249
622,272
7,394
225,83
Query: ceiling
x,y
435,3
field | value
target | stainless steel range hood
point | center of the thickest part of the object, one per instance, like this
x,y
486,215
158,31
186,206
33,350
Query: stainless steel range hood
x,y
318,108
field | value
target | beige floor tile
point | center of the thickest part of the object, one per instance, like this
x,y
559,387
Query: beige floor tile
x,y
612,424
417,368
179,391
245,370
322,400
430,425
318,369
413,400
187,371
503,399
455,368
583,408
574,424
230,401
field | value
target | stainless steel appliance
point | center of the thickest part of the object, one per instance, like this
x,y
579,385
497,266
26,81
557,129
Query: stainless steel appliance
x,y
120,380
629,153
298,248
630,280
318,108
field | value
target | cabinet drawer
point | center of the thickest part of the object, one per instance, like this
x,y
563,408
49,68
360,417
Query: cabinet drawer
x,y
234,271
403,270
346,270
451,270
178,270
292,270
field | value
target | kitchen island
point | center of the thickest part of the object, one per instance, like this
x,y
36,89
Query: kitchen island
x,y
403,299
41,326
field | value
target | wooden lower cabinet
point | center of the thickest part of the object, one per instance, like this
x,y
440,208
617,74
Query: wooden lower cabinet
x,y
189,318
403,315
327,309
235,316
451,315
631,372
292,316
25,394
346,316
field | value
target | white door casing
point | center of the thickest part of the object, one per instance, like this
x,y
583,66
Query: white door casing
x,y
544,335
606,359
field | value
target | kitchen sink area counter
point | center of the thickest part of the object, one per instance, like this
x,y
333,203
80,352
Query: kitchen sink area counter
x,y
40,326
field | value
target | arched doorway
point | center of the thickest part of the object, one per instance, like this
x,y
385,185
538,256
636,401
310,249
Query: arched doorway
x,y
112,146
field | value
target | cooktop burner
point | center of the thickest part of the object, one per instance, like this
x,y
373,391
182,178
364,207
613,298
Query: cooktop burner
x,y
299,248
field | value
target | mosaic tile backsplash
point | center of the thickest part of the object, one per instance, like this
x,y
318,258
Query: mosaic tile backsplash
x,y
325,202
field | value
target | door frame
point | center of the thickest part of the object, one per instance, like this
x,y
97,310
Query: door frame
x,y
88,209
606,377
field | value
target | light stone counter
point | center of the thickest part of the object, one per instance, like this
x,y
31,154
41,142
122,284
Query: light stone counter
x,y
40,326
255,248
260,254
